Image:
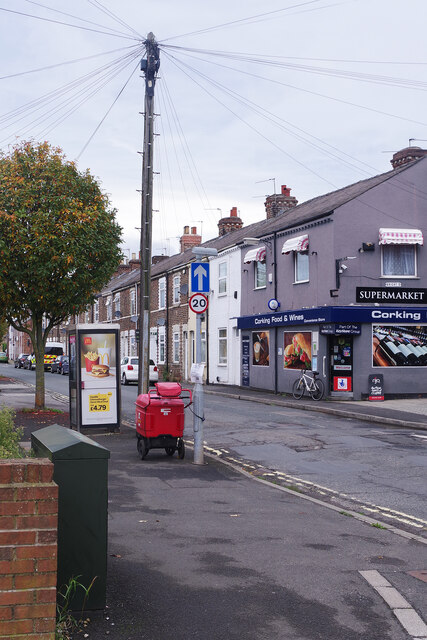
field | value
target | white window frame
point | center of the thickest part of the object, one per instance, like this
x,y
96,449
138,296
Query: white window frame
x,y
222,339
162,293
175,346
116,302
176,289
162,345
109,309
257,268
87,315
298,256
132,302
222,278
396,275
203,347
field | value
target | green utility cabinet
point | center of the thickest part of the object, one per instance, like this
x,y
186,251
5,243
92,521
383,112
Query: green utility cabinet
x,y
81,473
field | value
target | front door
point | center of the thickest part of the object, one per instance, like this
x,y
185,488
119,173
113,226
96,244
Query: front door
x,y
341,364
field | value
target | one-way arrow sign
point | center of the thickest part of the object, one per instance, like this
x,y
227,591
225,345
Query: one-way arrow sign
x,y
200,277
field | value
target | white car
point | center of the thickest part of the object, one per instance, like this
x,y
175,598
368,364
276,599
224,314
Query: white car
x,y
129,370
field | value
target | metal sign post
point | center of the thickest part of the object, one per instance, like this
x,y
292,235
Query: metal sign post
x,y
199,303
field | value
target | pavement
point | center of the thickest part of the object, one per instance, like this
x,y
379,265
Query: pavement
x,y
208,551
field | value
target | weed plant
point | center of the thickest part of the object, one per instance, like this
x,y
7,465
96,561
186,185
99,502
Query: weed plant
x,y
10,435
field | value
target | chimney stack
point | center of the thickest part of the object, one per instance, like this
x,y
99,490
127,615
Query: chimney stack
x,y
230,223
278,203
188,239
407,155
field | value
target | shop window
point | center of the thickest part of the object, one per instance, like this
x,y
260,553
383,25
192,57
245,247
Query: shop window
x,y
222,278
301,261
260,274
399,260
222,346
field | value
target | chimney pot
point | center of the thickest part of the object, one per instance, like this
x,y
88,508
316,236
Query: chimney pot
x,y
134,256
186,230
233,211
285,190
193,230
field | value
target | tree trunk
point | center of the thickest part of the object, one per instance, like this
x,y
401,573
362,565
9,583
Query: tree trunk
x,y
39,354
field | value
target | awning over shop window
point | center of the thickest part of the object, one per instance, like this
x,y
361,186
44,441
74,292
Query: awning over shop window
x,y
401,236
255,255
299,243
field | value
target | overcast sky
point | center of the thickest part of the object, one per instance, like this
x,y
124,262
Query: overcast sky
x,y
313,94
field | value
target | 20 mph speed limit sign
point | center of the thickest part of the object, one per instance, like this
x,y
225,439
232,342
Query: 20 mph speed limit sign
x,y
198,303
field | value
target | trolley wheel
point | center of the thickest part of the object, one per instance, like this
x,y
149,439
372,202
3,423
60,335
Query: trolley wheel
x,y
142,448
170,450
319,388
181,449
298,388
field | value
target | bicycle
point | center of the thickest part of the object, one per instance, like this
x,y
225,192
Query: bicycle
x,y
313,386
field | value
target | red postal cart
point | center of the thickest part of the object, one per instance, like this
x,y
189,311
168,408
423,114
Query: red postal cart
x,y
160,419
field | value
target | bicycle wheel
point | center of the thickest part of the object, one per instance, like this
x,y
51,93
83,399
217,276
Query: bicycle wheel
x,y
298,388
317,390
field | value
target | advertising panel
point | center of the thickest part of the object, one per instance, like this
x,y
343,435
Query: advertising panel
x,y
297,350
399,346
98,376
261,348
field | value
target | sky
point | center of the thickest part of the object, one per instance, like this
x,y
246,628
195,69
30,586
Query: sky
x,y
312,94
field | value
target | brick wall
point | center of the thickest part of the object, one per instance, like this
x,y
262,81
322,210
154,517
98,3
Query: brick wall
x,y
28,549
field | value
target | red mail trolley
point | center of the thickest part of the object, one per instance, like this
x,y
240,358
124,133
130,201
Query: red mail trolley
x,y
160,419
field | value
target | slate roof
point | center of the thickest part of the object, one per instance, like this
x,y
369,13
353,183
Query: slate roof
x,y
306,212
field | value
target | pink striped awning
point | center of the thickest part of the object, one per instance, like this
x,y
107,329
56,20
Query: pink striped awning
x,y
255,255
401,236
299,243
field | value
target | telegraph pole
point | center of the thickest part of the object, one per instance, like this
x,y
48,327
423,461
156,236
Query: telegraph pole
x,y
150,66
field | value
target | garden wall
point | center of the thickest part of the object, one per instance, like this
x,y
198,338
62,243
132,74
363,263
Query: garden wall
x,y
28,549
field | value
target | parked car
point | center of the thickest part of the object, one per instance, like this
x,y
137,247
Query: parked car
x,y
129,370
65,369
57,364
19,361
3,357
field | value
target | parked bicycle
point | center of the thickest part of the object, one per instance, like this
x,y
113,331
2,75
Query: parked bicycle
x,y
312,385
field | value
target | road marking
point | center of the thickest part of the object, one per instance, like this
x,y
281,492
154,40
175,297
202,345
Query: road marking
x,y
404,612
415,435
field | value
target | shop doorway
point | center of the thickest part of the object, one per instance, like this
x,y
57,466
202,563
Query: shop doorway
x,y
341,365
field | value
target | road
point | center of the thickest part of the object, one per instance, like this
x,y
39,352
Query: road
x,y
361,466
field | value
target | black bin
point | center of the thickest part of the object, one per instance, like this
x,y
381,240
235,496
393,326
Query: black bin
x,y
81,473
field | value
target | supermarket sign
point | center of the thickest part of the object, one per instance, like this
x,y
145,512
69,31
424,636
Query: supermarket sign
x,y
339,315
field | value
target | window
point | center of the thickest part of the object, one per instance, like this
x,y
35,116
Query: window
x,y
162,345
203,354
399,260
260,274
109,308
87,315
175,347
162,293
222,346
117,305
176,289
222,278
132,302
96,311
301,266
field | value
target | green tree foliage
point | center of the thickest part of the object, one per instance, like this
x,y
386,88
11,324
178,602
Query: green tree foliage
x,y
59,242
9,435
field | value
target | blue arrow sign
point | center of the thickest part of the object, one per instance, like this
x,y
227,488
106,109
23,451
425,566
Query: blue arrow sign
x,y
200,277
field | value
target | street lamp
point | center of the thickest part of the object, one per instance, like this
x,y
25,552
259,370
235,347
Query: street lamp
x,y
198,400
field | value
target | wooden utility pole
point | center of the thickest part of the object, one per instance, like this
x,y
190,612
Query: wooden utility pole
x,y
149,65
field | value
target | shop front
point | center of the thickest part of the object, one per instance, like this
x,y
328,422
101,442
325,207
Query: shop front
x,y
346,345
